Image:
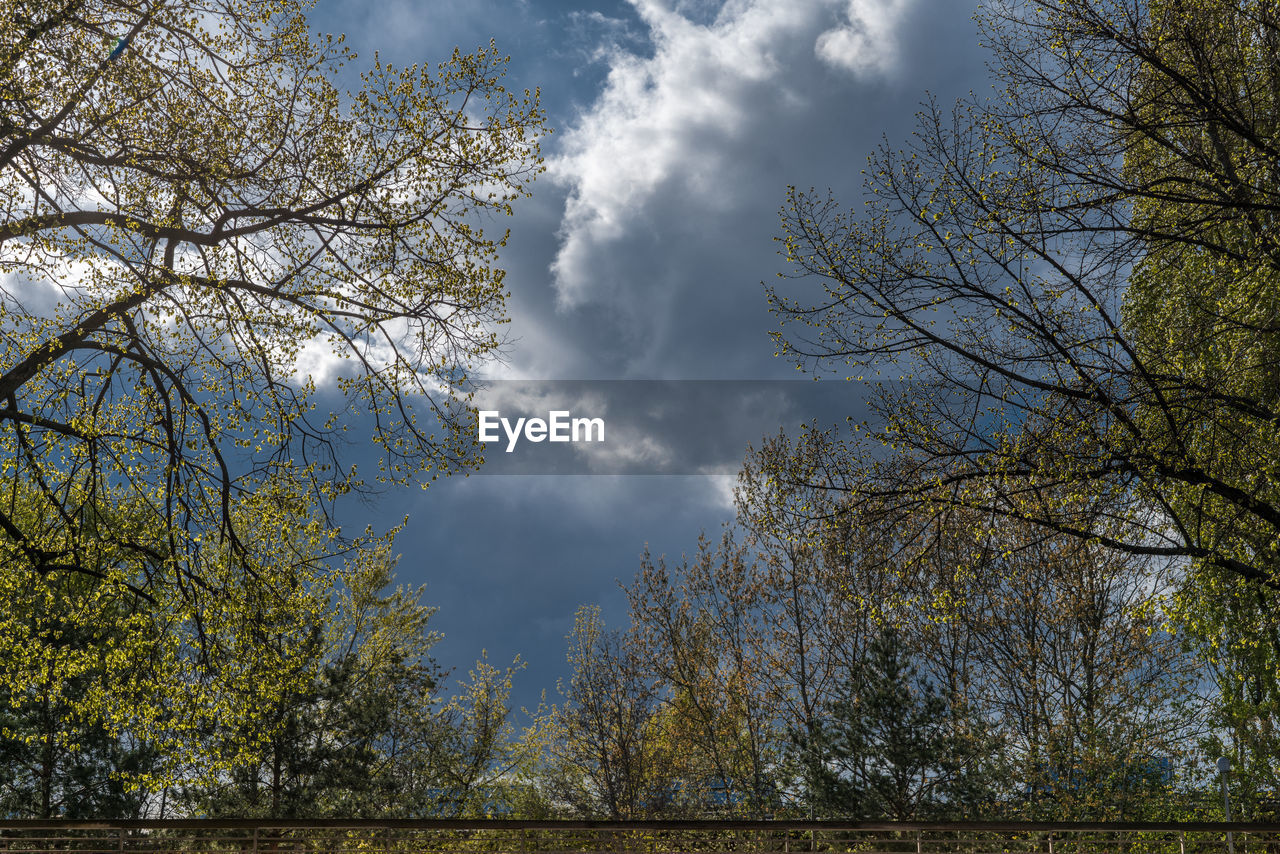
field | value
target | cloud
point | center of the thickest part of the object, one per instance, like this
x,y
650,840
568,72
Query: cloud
x,y
865,43
713,86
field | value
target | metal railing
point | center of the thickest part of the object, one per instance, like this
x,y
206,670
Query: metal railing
x,y
511,836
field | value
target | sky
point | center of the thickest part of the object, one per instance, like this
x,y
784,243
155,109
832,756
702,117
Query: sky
x,y
641,256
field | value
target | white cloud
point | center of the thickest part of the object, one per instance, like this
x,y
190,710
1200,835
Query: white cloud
x,y
684,115
865,43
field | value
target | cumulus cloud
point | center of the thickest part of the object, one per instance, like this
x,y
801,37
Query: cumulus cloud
x,y
864,43
682,116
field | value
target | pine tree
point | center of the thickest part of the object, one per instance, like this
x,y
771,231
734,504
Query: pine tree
x,y
891,746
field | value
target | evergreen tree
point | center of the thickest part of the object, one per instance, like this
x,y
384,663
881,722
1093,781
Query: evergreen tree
x,y
891,746
338,738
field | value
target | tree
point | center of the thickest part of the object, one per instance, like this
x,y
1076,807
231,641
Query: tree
x,y
887,748
748,640
700,631
371,733
194,215
603,746
473,765
1061,649
815,630
1233,626
55,763
157,669
333,740
1015,264
1206,307
1083,272
1052,656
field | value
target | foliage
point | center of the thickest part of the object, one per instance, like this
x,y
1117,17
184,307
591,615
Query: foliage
x,y
603,752
992,269
1201,305
55,763
474,766
1066,654
700,627
1050,655
370,734
197,223
882,664
889,747
363,660
156,667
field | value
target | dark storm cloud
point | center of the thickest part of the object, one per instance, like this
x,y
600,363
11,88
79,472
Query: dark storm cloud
x,y
641,256
509,559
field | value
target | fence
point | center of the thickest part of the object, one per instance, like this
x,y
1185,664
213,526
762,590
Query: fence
x,y
502,836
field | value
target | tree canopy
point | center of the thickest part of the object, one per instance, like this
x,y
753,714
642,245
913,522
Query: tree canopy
x,y
1074,279
198,225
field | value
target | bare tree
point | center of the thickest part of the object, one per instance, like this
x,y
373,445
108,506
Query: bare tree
x,y
1076,276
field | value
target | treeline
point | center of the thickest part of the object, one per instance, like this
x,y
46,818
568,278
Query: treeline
x,y
814,661
883,666
362,723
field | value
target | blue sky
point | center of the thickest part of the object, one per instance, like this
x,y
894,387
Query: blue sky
x,y
678,126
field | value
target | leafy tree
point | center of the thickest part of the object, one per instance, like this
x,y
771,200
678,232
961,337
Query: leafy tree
x,y
1234,628
194,216
338,741
156,667
1205,307
747,641
474,765
822,612
1201,304
370,732
603,747
1012,265
1062,648
54,763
